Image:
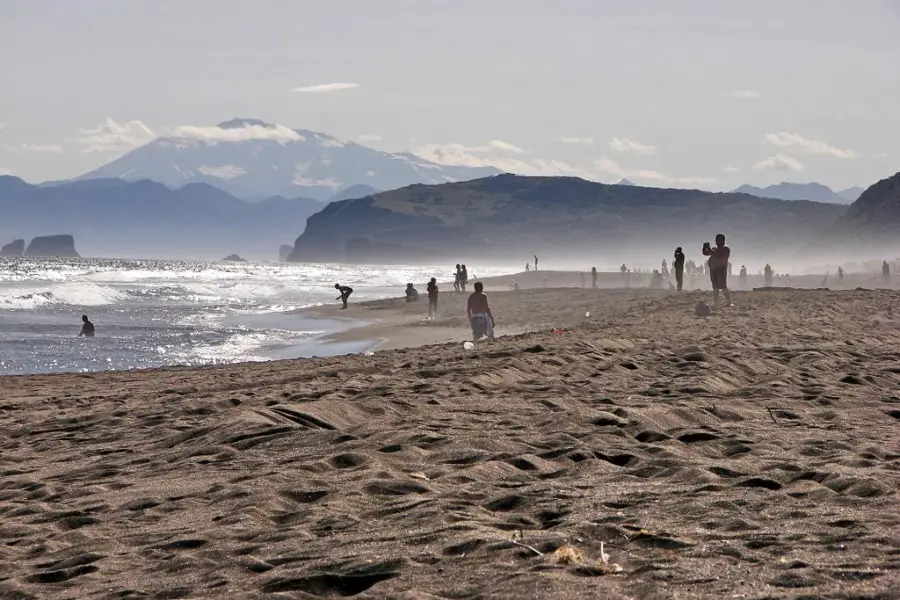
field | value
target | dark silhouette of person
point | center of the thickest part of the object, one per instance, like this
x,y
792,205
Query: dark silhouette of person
x,y
479,312
678,266
535,262
594,277
767,275
718,269
345,291
665,269
87,328
412,294
456,286
432,299
743,276
463,277
885,271
527,267
840,273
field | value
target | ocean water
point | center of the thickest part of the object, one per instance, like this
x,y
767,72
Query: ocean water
x,y
155,313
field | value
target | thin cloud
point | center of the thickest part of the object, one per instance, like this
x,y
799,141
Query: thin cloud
x,y
578,141
742,94
611,167
732,169
779,162
110,136
501,155
48,148
504,147
369,137
785,139
225,172
629,146
322,88
213,134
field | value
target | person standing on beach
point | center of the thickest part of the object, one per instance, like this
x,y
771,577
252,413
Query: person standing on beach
x,y
463,278
456,287
743,277
432,299
885,271
767,275
479,312
535,262
718,269
678,266
840,274
345,291
594,277
87,328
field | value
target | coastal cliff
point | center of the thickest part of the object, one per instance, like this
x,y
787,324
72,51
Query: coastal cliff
x,y
510,216
52,245
14,248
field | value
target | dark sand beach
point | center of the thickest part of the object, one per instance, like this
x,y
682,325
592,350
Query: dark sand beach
x,y
641,452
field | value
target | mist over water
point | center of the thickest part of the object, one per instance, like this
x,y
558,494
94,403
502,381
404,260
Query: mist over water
x,y
155,313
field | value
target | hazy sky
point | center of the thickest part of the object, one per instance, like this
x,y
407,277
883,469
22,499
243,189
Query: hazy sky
x,y
683,93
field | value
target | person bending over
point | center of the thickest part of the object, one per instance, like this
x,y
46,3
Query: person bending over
x,y
345,291
479,311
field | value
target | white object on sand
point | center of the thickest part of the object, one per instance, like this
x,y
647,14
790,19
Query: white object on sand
x,y
587,315
468,346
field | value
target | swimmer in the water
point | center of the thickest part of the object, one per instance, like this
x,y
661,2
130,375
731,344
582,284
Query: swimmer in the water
x,y
87,328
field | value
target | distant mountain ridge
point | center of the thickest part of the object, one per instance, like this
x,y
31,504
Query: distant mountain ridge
x,y
802,191
509,216
145,219
252,159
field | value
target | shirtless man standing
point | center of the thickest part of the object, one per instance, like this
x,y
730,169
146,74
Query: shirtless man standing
x,y
479,312
718,269
678,267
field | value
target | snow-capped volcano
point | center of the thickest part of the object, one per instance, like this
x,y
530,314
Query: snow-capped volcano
x,y
252,159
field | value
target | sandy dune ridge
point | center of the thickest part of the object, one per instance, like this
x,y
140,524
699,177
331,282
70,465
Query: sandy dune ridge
x,y
754,454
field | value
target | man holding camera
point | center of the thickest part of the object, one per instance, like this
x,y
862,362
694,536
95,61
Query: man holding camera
x,y
718,269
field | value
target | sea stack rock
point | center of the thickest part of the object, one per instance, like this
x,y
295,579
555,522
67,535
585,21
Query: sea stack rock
x,y
233,258
284,251
53,245
15,248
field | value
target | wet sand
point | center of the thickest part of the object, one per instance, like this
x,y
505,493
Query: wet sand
x,y
753,454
